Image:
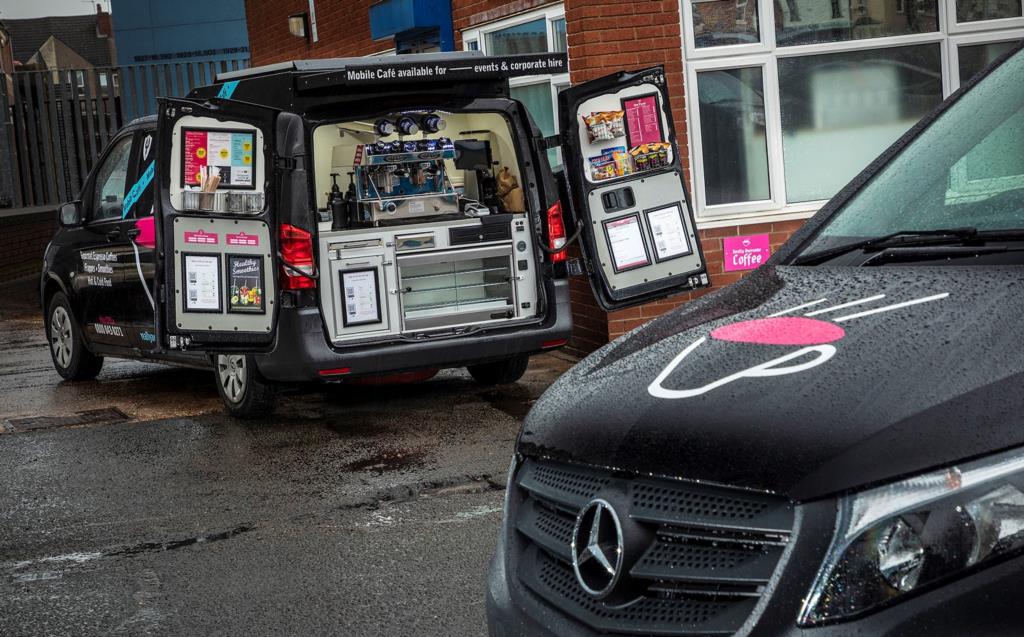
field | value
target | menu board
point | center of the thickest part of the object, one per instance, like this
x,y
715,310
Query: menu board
x,y
643,120
228,153
202,282
626,243
668,233
245,284
360,289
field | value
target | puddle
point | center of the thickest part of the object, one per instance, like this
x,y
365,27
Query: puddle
x,y
393,460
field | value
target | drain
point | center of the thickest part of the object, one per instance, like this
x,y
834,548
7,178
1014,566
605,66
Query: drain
x,y
88,417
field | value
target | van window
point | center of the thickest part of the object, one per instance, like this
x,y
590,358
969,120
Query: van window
x,y
108,193
965,170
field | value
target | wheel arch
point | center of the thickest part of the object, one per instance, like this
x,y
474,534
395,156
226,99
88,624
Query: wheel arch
x,y
50,285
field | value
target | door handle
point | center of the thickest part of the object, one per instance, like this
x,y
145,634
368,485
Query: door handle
x,y
114,234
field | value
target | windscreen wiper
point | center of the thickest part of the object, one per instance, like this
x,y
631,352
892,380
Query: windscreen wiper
x,y
893,239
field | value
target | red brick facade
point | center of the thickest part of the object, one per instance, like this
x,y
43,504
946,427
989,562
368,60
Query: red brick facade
x,y
603,36
343,29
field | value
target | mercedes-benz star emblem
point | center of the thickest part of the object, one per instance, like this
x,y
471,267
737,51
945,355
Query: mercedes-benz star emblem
x,y
597,548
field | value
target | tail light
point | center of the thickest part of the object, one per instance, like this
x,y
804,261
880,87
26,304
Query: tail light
x,y
297,258
556,233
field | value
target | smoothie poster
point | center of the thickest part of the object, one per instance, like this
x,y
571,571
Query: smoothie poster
x,y
245,283
227,153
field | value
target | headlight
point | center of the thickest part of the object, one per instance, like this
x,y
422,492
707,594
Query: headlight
x,y
900,538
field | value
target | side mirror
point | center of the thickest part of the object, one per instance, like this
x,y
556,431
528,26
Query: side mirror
x,y
71,214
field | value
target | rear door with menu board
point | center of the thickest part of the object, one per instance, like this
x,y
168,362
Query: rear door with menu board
x,y
626,188
217,229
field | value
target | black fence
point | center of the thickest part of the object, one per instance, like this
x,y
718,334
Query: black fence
x,y
57,122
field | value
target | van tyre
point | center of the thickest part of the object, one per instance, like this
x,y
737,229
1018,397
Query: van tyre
x,y
500,372
246,394
70,357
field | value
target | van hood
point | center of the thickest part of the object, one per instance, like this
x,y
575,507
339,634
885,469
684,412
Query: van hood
x,y
804,381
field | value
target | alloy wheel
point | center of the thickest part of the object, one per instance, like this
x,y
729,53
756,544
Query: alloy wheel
x,y
61,338
232,374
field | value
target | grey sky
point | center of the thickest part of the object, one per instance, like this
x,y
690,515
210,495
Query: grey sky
x,y
39,8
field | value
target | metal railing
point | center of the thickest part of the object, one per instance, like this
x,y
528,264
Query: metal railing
x,y
56,123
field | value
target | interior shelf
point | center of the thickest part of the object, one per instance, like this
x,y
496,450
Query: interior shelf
x,y
453,273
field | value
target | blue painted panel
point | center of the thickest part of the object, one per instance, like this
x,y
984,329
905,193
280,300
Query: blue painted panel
x,y
392,17
150,31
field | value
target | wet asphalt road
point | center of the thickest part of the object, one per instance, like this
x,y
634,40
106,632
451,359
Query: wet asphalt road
x,y
354,511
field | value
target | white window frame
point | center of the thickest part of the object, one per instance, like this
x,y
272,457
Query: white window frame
x,y
981,25
975,38
766,44
550,13
766,54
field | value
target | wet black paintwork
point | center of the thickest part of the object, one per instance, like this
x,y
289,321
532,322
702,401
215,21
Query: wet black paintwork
x,y
907,390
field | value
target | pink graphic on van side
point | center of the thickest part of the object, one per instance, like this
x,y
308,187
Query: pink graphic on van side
x,y
783,330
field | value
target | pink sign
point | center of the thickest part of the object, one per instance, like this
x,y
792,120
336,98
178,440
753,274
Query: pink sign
x,y
643,121
242,239
201,237
746,253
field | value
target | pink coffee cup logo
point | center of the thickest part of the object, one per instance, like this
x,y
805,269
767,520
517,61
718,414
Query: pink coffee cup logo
x,y
817,333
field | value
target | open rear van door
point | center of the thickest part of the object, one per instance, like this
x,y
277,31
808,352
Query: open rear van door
x,y
626,189
216,225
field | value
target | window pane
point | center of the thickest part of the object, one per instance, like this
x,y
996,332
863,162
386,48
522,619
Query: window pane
x,y
975,10
840,110
966,169
721,22
537,98
530,37
812,21
560,44
732,130
473,45
110,180
974,58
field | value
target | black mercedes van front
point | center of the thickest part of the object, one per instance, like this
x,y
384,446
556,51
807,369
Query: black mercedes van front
x,y
832,446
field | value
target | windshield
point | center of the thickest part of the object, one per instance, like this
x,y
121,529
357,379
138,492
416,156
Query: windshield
x,y
965,170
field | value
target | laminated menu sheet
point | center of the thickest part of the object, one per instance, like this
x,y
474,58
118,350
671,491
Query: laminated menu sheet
x,y
362,297
626,243
202,282
227,153
668,232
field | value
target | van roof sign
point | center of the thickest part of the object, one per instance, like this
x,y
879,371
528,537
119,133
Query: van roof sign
x,y
429,67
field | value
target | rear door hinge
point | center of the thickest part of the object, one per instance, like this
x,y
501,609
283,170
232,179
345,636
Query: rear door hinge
x,y
579,267
289,163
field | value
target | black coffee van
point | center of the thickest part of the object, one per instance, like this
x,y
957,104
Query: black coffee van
x,y
327,220
833,445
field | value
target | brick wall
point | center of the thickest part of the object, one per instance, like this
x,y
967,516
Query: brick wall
x,y
25,238
469,13
343,29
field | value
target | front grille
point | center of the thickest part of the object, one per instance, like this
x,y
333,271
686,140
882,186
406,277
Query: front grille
x,y
711,554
